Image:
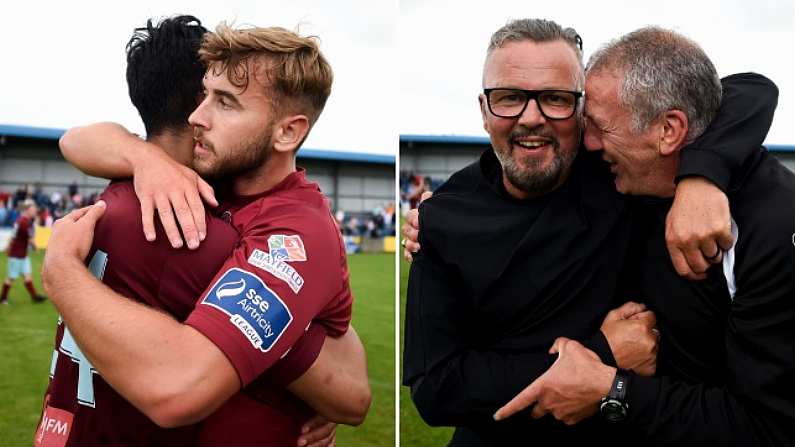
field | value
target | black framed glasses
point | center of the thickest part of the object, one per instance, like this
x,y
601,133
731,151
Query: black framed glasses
x,y
512,102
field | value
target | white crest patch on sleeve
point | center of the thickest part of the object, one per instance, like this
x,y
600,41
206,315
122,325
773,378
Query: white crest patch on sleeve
x,y
286,248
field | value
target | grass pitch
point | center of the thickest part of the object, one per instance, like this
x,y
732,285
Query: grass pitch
x,y
27,334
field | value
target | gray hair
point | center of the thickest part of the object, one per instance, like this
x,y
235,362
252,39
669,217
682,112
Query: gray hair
x,y
539,30
662,70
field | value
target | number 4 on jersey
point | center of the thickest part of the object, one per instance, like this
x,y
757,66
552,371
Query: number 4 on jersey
x,y
85,381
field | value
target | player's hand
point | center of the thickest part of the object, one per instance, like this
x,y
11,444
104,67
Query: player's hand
x,y
73,234
70,241
570,390
698,227
633,337
172,189
411,230
317,432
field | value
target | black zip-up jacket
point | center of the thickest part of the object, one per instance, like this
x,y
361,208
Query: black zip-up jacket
x,y
726,364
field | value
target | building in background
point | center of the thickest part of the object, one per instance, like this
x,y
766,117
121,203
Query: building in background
x,y
426,161
360,186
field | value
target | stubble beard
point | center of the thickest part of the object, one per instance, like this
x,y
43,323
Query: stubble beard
x,y
240,160
534,178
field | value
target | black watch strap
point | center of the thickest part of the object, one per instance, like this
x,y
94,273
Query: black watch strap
x,y
620,385
614,406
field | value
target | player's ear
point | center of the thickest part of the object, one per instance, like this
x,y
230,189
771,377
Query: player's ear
x,y
290,132
674,126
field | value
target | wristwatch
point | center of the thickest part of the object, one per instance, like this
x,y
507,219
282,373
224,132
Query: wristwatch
x,y
614,406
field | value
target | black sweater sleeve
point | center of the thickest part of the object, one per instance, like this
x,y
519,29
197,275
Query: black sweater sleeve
x,y
455,380
746,112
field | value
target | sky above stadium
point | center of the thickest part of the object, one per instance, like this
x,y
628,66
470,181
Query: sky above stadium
x,y
442,46
412,66
63,62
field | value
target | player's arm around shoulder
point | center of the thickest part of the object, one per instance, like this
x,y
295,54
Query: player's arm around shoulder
x,y
261,301
193,387
168,370
101,149
336,385
210,378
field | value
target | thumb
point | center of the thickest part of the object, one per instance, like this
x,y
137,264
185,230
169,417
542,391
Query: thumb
x,y
77,214
628,309
92,213
558,345
647,318
425,195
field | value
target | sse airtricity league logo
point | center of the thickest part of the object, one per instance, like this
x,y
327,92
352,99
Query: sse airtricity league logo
x,y
233,288
253,308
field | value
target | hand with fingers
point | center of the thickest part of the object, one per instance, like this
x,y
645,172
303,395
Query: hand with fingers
x,y
318,432
698,227
70,241
570,390
631,332
411,230
176,192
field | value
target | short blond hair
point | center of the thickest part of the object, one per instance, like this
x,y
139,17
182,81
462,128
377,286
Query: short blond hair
x,y
294,66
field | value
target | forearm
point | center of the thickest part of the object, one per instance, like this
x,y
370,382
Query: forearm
x,y
745,115
105,150
336,385
139,351
468,387
453,382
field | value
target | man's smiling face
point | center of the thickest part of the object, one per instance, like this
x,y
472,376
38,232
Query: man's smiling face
x,y
633,157
535,152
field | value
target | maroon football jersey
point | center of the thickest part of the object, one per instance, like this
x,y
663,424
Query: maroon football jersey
x,y
264,413
18,248
80,407
289,268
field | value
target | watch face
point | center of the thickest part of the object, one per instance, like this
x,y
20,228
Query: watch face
x,y
613,410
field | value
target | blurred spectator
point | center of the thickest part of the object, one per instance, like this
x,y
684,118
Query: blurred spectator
x,y
377,224
73,190
18,259
5,199
417,186
412,186
22,194
51,207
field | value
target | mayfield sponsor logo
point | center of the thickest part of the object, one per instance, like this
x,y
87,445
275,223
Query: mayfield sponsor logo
x,y
253,308
54,428
279,269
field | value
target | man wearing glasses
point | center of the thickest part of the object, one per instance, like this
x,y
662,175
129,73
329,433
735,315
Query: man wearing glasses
x,y
726,359
520,248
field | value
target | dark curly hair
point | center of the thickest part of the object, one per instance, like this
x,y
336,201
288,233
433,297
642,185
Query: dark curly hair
x,y
164,74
